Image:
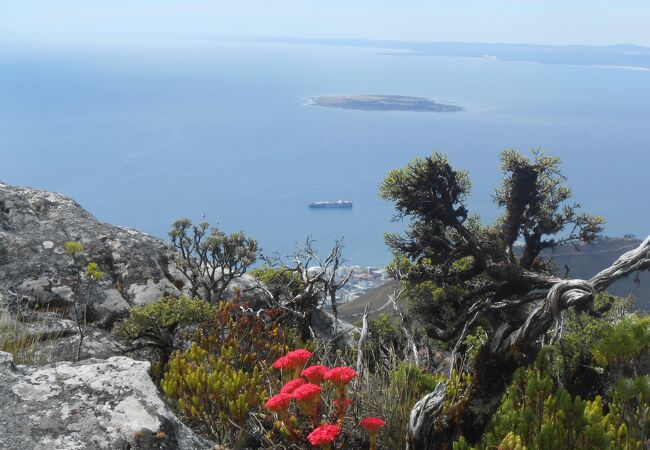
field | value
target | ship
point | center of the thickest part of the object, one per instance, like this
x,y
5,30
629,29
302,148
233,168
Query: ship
x,y
332,204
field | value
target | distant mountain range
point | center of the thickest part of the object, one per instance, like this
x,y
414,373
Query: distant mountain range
x,y
626,56
584,262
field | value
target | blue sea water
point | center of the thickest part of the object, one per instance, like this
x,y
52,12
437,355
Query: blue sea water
x,y
143,131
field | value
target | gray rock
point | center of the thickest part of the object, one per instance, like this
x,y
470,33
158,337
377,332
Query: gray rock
x,y
45,326
93,404
142,294
97,343
34,265
322,323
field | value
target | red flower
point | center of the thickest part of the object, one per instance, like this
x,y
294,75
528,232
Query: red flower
x,y
299,357
278,402
315,374
371,424
292,385
282,363
340,376
307,393
324,435
293,360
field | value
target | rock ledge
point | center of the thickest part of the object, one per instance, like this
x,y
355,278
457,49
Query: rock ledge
x,y
94,404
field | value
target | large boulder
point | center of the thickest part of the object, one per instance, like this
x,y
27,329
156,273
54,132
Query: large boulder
x,y
35,267
94,404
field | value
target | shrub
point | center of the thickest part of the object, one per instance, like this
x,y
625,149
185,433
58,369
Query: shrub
x,y
219,383
211,392
211,259
283,284
536,413
153,329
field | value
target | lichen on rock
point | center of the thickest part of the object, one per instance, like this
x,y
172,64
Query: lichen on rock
x,y
94,404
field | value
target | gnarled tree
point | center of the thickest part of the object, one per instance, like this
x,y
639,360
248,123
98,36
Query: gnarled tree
x,y
462,274
209,258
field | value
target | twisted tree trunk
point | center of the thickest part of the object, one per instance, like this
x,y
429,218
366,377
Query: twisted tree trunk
x,y
431,426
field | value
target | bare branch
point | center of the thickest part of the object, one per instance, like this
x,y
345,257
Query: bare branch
x,y
362,340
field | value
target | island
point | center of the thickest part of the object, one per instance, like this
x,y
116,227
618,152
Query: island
x,y
382,103
332,204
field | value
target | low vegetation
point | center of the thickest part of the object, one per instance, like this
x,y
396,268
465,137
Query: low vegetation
x,y
561,377
493,349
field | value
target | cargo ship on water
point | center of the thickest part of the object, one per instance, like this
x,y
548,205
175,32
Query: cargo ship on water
x,y
332,204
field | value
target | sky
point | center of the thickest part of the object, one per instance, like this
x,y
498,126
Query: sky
x,y
590,22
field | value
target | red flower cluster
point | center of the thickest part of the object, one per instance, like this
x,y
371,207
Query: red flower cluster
x,y
340,376
278,402
292,385
293,360
307,393
324,435
299,356
371,424
308,397
315,374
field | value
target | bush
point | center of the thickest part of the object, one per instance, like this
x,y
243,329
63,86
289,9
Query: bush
x,y
153,329
212,393
209,258
536,413
221,381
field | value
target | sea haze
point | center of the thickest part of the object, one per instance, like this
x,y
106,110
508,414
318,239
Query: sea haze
x,y
141,132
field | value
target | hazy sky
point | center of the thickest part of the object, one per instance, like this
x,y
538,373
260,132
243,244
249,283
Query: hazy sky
x,y
525,21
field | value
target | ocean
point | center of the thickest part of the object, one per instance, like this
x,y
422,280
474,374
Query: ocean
x,y
142,131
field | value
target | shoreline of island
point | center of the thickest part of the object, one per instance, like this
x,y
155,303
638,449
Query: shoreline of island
x,y
381,103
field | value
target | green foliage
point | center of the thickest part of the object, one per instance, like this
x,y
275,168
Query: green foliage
x,y
540,417
534,197
73,248
166,313
406,385
624,342
631,405
154,327
218,383
471,346
209,258
391,392
211,392
281,282
415,380
536,413
571,355
82,289
451,263
93,272
448,188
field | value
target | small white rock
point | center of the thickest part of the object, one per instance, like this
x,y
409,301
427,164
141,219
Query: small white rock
x,y
48,245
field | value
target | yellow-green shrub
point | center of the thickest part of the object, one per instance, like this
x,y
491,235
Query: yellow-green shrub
x,y
219,381
210,391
